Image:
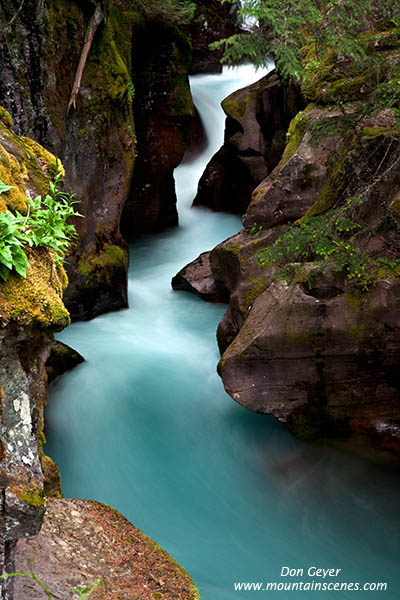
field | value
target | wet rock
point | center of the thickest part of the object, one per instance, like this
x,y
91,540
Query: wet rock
x,y
163,112
31,309
322,366
62,358
197,278
212,21
97,151
298,179
317,350
83,542
135,65
258,118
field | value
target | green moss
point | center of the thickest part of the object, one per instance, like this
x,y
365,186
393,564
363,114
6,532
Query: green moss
x,y
105,72
334,179
297,129
235,105
36,300
372,132
32,495
354,298
236,250
23,163
100,266
357,332
5,117
255,287
181,100
259,346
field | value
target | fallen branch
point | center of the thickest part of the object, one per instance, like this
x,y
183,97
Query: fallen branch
x,y
97,17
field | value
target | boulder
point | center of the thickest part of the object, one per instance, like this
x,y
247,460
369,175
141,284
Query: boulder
x,y
83,543
197,278
257,120
62,358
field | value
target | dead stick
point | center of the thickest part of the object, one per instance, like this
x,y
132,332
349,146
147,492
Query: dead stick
x,y
94,22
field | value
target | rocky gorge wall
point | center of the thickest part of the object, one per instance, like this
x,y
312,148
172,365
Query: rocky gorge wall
x,y
30,310
128,130
310,334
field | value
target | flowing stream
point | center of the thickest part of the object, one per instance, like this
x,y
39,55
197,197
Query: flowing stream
x,y
146,426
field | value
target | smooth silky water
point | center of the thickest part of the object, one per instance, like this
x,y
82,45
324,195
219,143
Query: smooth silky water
x,y
146,426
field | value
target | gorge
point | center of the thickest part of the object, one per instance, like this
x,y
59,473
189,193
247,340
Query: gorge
x,y
230,494
292,308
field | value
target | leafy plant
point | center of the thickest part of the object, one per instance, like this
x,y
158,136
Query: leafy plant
x,y
45,225
322,238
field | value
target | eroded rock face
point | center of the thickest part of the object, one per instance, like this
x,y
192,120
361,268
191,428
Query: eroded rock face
x,y
163,113
31,309
135,65
319,353
298,179
319,350
212,21
258,118
61,359
197,278
97,150
321,366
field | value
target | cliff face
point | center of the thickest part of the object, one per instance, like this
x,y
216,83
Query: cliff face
x,y
134,98
96,141
30,310
163,113
212,21
311,331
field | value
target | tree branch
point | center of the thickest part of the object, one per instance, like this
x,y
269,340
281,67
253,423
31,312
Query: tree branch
x,y
97,17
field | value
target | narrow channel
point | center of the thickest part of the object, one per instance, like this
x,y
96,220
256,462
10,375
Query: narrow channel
x,y
145,426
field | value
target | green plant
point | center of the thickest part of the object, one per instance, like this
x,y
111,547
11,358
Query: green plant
x,y
131,89
283,28
322,238
45,225
83,592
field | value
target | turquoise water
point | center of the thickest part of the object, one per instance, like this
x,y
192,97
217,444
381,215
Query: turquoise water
x,y
145,426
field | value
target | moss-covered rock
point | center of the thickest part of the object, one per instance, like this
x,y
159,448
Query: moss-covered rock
x,y
62,358
258,117
30,309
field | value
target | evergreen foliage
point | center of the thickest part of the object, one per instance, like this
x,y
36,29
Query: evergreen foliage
x,y
326,238
284,28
